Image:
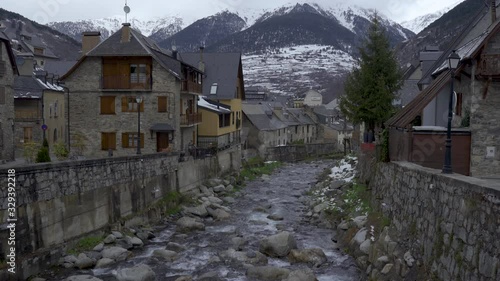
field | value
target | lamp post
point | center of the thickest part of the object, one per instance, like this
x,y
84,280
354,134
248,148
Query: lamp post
x,y
453,61
139,101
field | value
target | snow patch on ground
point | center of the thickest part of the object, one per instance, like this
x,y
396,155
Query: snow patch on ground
x,y
346,169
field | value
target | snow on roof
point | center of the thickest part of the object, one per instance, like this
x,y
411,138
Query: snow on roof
x,y
202,102
50,86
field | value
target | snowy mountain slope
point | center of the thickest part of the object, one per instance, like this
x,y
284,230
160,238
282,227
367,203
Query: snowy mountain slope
x,y
418,24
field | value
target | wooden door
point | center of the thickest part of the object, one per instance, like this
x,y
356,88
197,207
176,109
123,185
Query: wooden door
x,y
161,141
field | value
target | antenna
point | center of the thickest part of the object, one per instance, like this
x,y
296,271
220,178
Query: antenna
x,y
126,9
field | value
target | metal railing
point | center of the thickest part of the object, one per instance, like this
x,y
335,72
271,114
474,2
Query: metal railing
x,y
190,119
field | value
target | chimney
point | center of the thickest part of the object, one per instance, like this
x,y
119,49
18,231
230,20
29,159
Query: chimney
x,y
493,11
90,40
201,64
174,54
125,33
27,66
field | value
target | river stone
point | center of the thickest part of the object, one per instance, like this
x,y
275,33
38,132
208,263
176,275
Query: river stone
x,y
115,253
109,239
136,242
315,256
218,214
360,221
82,278
231,254
139,272
104,262
238,243
210,276
387,268
229,188
409,259
70,259
344,225
84,262
214,182
229,200
184,278
215,200
142,235
166,254
267,273
360,236
365,246
219,188
275,217
38,279
278,245
171,246
187,224
117,234
99,247
199,211
321,207
301,275
205,190
124,243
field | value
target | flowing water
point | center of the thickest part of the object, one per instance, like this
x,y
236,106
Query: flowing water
x,y
282,193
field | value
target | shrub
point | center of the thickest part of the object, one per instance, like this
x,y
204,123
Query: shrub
x,y
29,151
61,151
43,155
45,143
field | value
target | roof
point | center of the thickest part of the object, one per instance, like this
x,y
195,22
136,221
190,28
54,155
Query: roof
x,y
322,110
405,116
5,39
301,116
31,87
408,91
220,68
58,67
139,45
262,117
213,106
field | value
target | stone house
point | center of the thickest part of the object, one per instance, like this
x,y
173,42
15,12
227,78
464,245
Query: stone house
x,y
38,101
262,128
313,98
222,83
123,79
332,127
302,129
418,132
8,70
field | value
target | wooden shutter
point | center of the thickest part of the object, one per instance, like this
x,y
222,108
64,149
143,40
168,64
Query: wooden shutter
x,y
142,105
162,104
124,104
2,95
104,141
112,140
107,105
125,140
142,140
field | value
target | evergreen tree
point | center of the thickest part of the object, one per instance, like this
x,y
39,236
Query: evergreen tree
x,y
372,85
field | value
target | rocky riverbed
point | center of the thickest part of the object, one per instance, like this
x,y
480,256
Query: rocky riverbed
x,y
266,231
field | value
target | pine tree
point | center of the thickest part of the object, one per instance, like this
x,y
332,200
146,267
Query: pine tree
x,y
372,85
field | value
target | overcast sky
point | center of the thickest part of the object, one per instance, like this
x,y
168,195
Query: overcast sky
x,y
45,11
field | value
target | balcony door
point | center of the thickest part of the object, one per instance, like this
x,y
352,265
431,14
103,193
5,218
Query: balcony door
x,y
161,141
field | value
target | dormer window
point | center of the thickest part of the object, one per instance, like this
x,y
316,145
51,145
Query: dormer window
x,y
38,51
213,89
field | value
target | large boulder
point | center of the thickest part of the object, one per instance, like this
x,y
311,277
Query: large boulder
x,y
139,272
84,262
199,211
109,239
218,214
278,245
82,278
187,224
115,253
301,275
175,247
253,258
315,256
104,262
165,254
268,273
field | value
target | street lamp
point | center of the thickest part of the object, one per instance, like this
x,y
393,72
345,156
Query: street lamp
x,y
453,61
139,101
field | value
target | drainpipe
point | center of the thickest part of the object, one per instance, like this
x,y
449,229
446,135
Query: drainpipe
x,y
66,89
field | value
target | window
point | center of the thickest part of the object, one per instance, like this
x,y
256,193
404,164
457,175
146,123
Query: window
x,y
55,109
213,89
138,73
54,138
129,140
108,141
38,51
458,104
107,105
296,129
162,104
129,104
233,114
28,134
224,120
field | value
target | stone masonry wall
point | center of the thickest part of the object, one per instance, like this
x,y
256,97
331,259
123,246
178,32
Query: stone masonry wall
x,y
58,203
6,109
294,153
451,222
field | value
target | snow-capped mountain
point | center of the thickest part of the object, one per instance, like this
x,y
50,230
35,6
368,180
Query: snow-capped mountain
x,y
158,29
419,23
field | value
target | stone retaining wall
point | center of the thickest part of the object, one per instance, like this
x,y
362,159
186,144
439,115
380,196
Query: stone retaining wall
x,y
293,153
61,202
450,222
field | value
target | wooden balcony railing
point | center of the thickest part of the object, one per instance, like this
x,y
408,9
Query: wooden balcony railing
x,y
191,87
27,115
123,82
190,119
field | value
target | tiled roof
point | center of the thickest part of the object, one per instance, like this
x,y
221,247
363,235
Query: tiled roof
x,y
58,67
220,68
262,117
213,106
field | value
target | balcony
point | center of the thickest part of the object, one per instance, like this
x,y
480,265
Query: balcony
x,y
188,120
124,82
27,116
191,87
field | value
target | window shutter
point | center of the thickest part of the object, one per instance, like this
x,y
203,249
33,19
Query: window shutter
x,y
142,140
142,105
162,104
124,104
112,140
104,141
108,105
2,95
125,140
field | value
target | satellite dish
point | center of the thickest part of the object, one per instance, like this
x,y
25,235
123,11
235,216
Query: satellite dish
x,y
174,48
126,9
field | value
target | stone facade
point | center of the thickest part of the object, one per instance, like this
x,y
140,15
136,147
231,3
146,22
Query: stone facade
x,y
60,202
450,222
6,106
87,123
294,153
54,116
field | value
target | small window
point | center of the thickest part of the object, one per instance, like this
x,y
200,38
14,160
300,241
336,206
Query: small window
x,y
107,105
28,134
458,104
162,104
138,73
108,141
50,111
55,109
213,89
38,51
129,140
129,104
